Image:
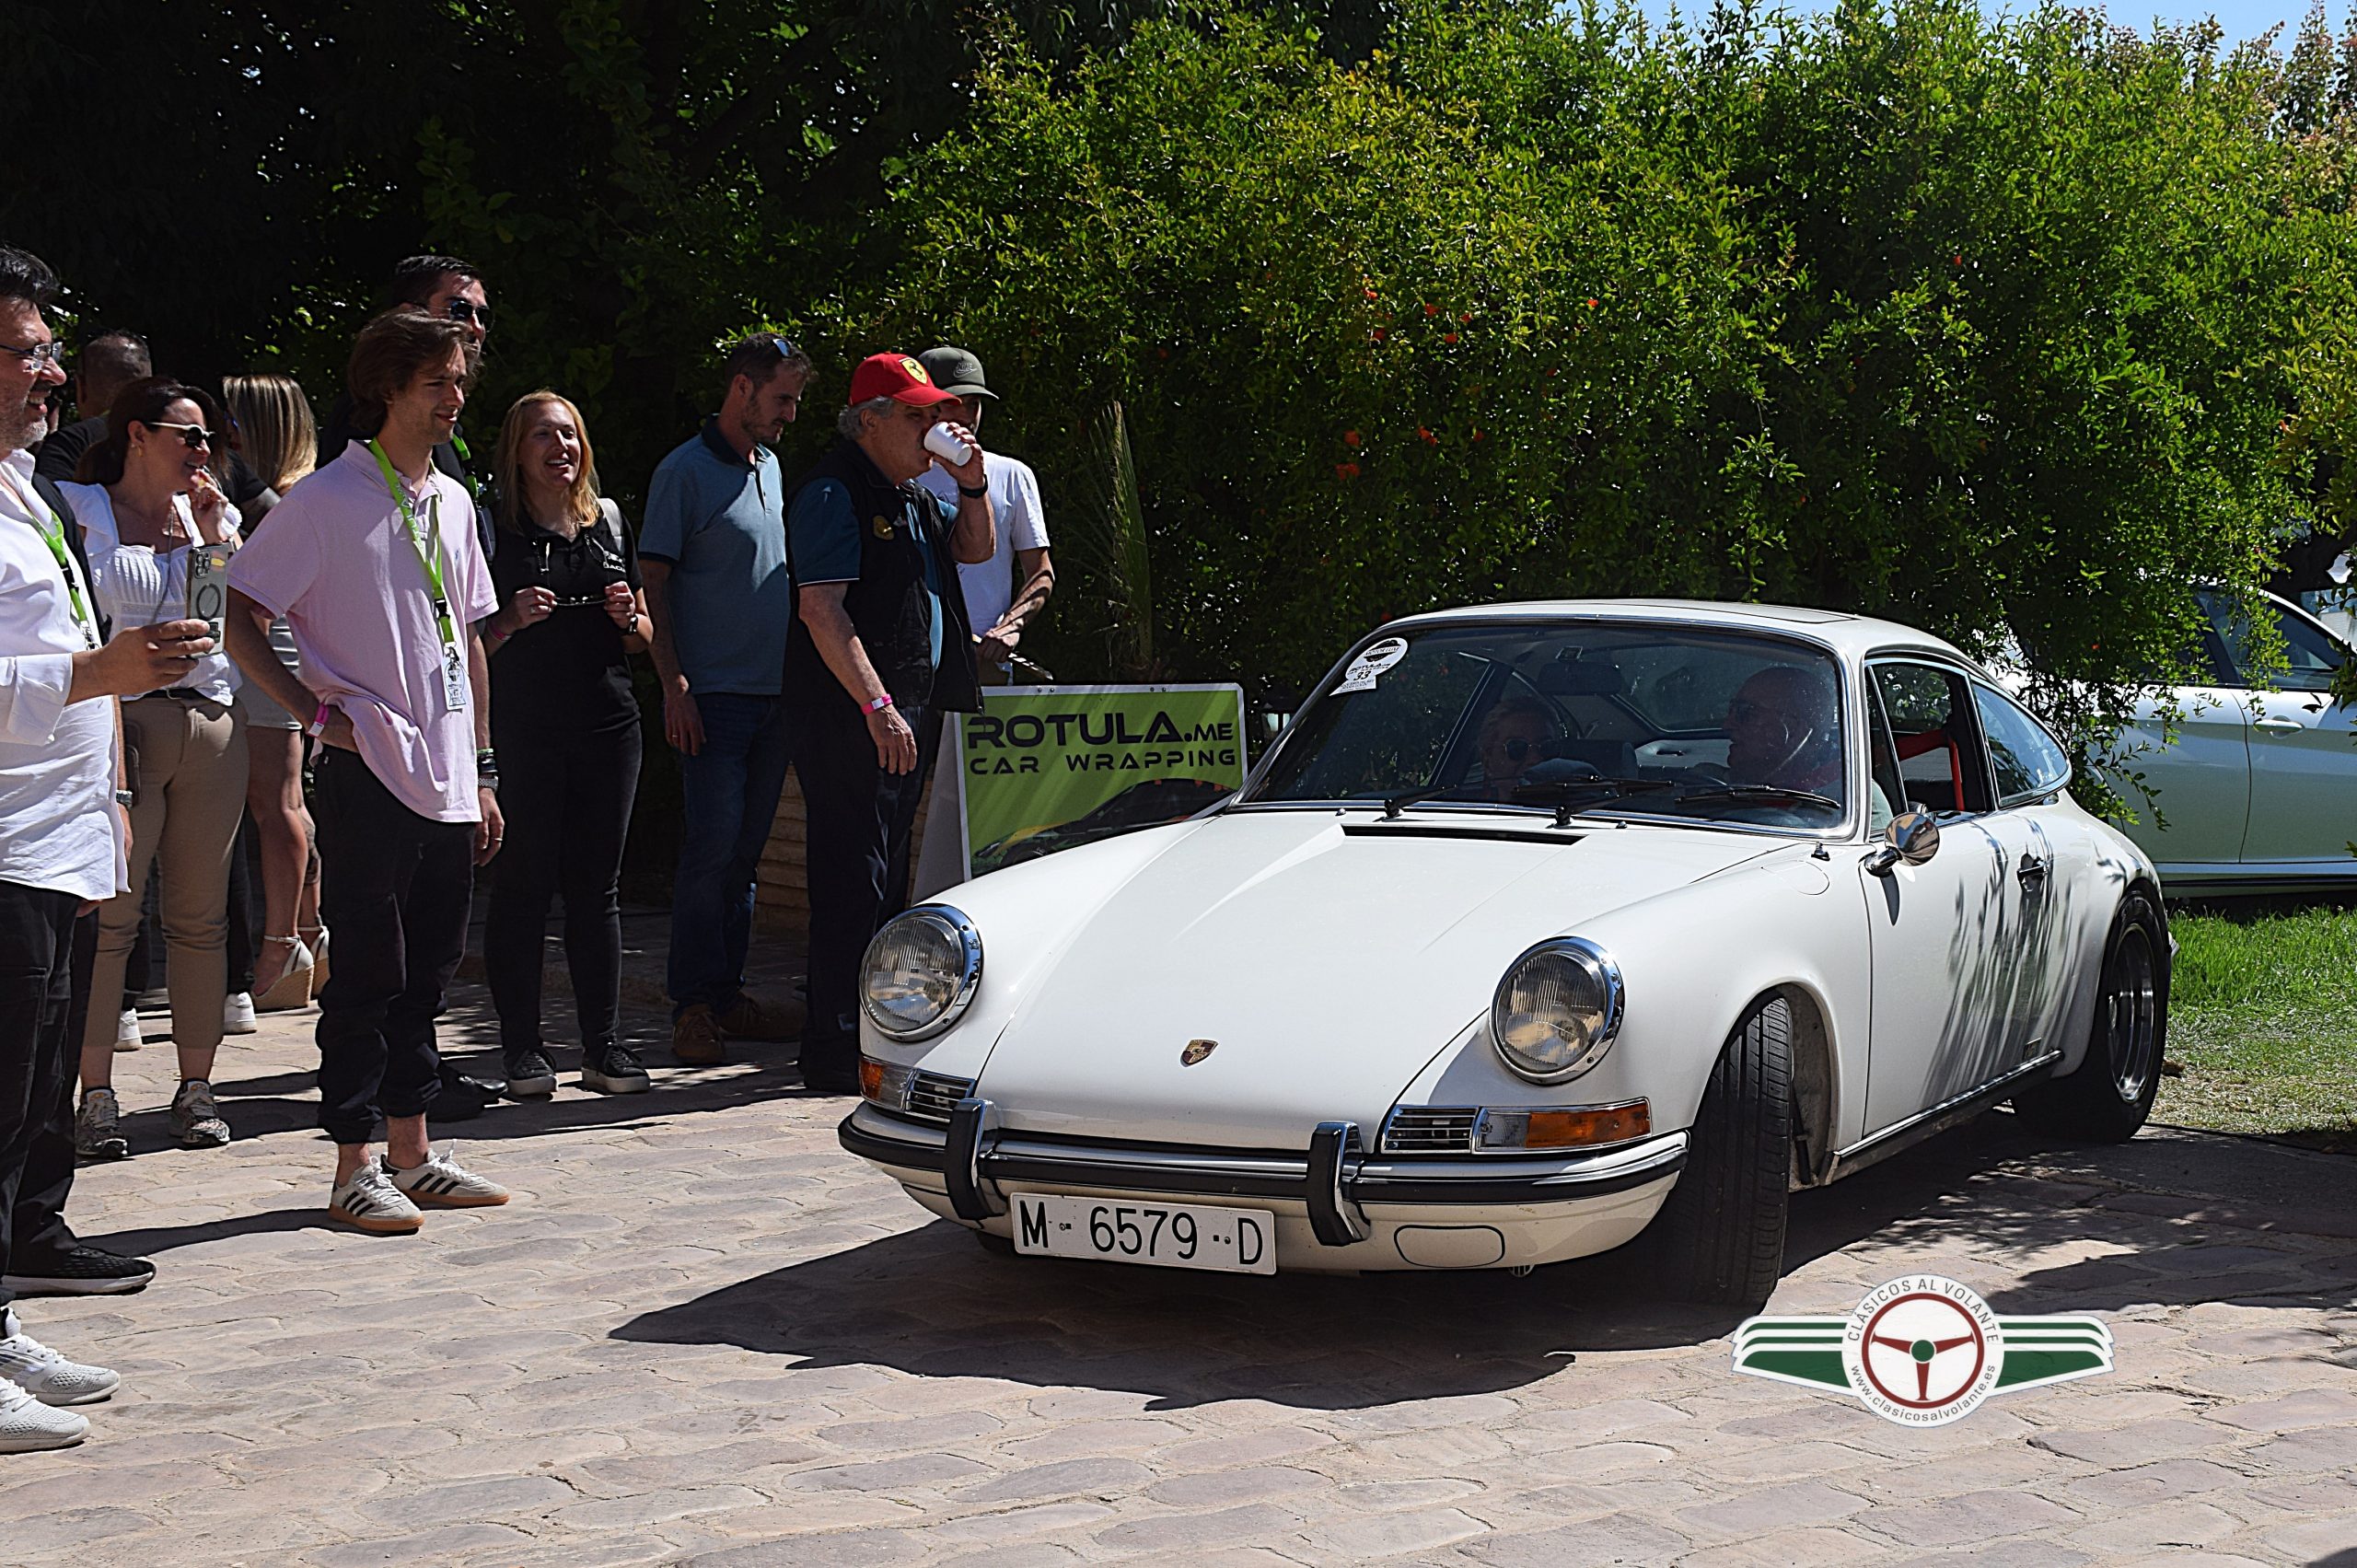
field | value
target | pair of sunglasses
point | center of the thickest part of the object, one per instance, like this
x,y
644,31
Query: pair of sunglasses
x,y
194,436
467,310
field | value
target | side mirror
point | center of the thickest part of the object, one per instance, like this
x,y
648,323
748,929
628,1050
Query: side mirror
x,y
1912,837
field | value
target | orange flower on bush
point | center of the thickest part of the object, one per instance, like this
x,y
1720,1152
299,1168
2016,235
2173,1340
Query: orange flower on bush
x,y
1448,337
1431,310
1425,431
1591,302
1377,334
1350,437
1346,470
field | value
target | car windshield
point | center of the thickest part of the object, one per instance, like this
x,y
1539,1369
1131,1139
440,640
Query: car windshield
x,y
1596,717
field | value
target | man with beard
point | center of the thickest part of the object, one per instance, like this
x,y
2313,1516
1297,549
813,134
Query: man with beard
x,y
62,840
720,591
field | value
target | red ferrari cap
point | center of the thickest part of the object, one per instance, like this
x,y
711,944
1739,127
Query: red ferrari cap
x,y
898,377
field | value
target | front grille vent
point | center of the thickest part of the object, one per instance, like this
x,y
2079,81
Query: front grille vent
x,y
1431,1129
932,1095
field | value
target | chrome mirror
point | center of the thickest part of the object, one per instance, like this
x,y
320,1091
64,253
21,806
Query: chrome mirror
x,y
1912,836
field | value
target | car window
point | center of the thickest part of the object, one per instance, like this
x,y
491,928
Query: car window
x,y
2026,761
1602,719
2311,656
1933,729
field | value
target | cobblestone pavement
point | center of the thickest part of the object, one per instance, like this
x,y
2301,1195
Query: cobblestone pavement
x,y
703,1334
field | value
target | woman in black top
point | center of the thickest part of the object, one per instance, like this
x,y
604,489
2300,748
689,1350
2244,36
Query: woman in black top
x,y
564,728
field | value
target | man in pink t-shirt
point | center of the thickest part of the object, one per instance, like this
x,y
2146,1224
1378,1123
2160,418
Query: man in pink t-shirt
x,y
374,562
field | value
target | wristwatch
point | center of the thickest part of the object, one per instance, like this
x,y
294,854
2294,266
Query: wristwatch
x,y
125,798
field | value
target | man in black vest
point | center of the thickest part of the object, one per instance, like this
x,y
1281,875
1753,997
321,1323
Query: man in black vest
x,y
879,635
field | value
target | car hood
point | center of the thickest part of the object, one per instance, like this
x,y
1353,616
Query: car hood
x,y
1329,955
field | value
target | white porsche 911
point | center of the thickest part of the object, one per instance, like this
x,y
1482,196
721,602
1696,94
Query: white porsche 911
x,y
1543,929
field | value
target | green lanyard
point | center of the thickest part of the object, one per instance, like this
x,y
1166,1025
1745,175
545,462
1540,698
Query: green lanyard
x,y
466,462
54,536
427,542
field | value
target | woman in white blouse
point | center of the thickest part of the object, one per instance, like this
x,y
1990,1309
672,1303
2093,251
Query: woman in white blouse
x,y
147,499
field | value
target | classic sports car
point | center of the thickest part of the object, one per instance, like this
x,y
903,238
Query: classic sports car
x,y
1543,929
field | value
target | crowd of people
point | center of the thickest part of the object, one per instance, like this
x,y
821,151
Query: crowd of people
x,y
349,662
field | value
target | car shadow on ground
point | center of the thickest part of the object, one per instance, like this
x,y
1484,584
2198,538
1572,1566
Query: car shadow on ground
x,y
932,1301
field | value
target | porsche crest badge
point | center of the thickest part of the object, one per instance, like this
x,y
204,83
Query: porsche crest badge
x,y
1196,1051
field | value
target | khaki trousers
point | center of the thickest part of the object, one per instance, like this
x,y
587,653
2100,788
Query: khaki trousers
x,y
190,788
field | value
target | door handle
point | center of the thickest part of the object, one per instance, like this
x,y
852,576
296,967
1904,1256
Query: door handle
x,y
2032,871
2277,725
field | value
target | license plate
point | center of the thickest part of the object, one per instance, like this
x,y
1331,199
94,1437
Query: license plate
x,y
1175,1236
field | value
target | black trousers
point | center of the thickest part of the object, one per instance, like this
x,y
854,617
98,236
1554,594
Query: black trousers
x,y
859,818
38,1060
569,797
396,889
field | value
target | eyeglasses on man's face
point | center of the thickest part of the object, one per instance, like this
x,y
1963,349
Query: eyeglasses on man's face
x,y
194,436
38,354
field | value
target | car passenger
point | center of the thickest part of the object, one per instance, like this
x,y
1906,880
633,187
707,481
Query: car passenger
x,y
1514,734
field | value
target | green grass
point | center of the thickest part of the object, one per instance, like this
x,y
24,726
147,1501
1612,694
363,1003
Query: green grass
x,y
2263,1020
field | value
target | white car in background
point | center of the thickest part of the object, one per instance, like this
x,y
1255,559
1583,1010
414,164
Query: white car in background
x,y
2256,790
1543,929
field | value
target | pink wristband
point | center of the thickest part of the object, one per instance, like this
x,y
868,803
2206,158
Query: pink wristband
x,y
878,706
319,722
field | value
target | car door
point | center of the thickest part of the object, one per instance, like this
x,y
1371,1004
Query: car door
x,y
2190,750
2049,860
1941,1012
2303,755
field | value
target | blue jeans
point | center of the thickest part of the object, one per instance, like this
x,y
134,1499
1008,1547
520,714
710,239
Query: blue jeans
x,y
731,789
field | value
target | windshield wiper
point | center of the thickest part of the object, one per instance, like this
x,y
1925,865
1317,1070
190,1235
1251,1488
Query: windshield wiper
x,y
1566,795
1763,794
1394,805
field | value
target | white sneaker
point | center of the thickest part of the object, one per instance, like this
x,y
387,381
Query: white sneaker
x,y
48,1376
443,1183
237,1014
126,1030
28,1426
370,1201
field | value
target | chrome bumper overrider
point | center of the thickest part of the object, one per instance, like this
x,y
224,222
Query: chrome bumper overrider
x,y
1331,1177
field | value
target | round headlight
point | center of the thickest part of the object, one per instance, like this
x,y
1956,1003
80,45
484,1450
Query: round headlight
x,y
1557,1010
921,971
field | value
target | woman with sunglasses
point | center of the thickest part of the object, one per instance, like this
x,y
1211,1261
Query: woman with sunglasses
x,y
147,499
564,725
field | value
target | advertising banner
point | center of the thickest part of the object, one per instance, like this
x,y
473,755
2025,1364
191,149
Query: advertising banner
x,y
1044,768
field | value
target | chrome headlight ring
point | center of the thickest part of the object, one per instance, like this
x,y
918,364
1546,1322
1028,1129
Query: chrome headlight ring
x,y
1556,1010
920,972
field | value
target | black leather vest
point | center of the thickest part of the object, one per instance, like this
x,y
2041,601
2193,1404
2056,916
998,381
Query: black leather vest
x,y
887,604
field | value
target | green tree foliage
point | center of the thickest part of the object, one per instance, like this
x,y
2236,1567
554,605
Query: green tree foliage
x,y
2003,328
2013,329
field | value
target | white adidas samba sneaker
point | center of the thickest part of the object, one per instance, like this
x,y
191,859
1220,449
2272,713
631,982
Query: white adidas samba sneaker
x,y
443,1183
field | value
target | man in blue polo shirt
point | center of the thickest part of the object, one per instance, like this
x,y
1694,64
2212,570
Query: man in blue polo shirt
x,y
721,594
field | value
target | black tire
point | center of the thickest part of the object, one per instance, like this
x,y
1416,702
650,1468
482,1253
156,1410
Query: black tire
x,y
1720,1237
2107,1097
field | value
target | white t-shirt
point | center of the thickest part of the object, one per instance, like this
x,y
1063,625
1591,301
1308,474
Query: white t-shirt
x,y
1014,506
59,829
139,584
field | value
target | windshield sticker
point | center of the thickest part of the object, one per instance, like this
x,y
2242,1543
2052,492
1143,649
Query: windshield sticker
x,y
1378,657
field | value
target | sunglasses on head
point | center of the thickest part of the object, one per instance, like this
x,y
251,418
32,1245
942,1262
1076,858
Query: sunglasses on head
x,y
784,346
193,436
467,310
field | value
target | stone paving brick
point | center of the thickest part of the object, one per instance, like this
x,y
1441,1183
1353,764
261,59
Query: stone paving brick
x,y
1391,1535
2176,1526
1253,1524
1613,1538
425,1546
2310,1449
650,1507
2317,1542
1064,1520
1975,1516
1242,1448
2135,1445
1819,1548
2148,1484
2308,1407
1772,1508
1065,1478
884,1475
1222,1489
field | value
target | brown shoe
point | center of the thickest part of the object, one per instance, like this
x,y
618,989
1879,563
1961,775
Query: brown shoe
x,y
752,1018
695,1036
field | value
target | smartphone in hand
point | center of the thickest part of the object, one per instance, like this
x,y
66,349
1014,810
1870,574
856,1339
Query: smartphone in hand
x,y
208,585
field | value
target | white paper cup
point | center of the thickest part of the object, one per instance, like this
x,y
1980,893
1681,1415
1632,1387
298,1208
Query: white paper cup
x,y
947,447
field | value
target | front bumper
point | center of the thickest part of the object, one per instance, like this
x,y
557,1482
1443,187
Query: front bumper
x,y
1338,1206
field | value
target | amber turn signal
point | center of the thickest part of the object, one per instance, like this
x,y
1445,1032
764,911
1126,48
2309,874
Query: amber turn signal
x,y
871,1078
1594,1124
